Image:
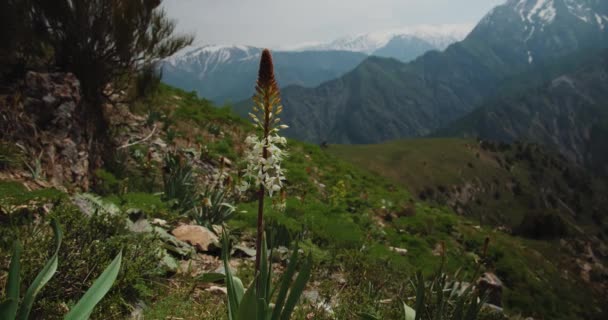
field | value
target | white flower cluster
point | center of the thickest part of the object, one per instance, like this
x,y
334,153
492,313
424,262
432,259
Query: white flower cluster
x,y
264,171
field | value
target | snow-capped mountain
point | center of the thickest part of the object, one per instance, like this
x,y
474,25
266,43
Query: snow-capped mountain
x,y
509,50
221,73
205,59
548,28
228,73
438,36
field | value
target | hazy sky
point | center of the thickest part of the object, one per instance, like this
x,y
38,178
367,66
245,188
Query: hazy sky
x,y
274,23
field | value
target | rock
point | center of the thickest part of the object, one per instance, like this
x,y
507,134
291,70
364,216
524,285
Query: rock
x,y
439,250
225,161
159,222
400,251
493,286
141,226
217,229
222,270
160,143
168,263
217,290
243,252
200,237
280,254
138,311
311,295
174,245
339,278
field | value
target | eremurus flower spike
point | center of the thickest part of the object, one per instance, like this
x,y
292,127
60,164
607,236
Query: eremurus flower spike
x,y
264,152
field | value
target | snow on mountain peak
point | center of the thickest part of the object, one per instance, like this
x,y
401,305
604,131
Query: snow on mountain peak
x,y
217,53
439,36
535,15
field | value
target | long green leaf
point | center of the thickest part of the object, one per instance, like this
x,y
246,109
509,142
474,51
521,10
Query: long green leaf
x,y
262,282
367,316
234,286
210,277
297,288
408,312
459,309
96,292
13,283
247,307
285,283
419,295
6,308
42,278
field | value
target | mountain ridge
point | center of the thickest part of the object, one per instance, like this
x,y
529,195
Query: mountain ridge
x,y
407,100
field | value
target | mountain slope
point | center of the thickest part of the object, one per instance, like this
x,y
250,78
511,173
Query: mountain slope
x,y
568,113
223,73
519,189
404,48
383,99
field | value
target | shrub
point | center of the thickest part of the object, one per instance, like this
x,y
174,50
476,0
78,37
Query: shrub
x,y
214,208
179,182
10,156
89,245
10,308
107,183
541,225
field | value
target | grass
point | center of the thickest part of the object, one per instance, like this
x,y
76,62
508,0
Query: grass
x,y
348,205
493,184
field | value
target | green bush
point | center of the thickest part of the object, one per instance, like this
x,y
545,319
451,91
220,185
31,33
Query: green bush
x,y
215,208
179,182
107,183
10,156
89,245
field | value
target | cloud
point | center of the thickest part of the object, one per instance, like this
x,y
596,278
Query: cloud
x,y
275,23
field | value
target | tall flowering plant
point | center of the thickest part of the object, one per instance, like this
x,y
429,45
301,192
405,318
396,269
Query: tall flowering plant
x,y
265,149
264,156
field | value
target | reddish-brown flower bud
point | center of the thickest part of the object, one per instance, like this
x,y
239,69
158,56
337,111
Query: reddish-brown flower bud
x,y
266,78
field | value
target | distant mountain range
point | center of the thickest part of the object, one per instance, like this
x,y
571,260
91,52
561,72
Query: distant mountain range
x,y
385,99
569,112
227,73
436,37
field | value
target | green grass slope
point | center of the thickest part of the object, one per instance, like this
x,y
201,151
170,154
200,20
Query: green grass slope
x,y
346,213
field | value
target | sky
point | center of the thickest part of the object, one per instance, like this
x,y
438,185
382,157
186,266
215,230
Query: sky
x,y
280,23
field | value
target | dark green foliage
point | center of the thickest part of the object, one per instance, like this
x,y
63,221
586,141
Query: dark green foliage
x,y
256,301
104,41
89,245
11,309
179,182
10,156
106,183
214,207
544,225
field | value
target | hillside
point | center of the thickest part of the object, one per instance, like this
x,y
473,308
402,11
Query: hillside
x,y
567,113
494,183
349,218
517,188
414,99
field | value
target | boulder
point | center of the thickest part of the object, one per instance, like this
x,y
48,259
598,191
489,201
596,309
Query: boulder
x,y
243,251
493,287
200,237
168,263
